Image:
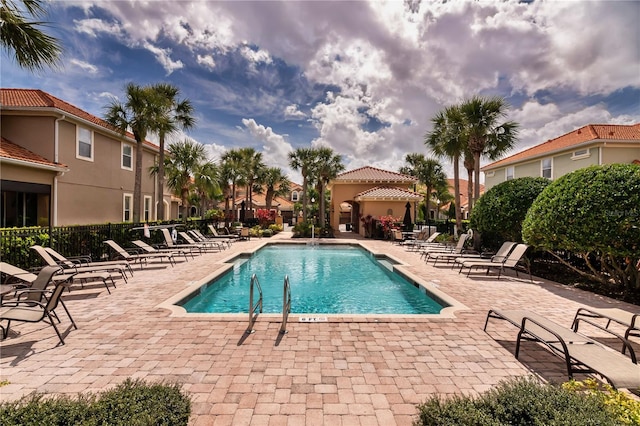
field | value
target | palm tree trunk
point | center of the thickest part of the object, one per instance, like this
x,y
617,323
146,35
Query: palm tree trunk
x,y
160,176
470,190
322,206
304,197
427,200
476,184
456,188
233,200
137,184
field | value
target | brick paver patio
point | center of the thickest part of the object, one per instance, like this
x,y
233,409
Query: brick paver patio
x,y
347,371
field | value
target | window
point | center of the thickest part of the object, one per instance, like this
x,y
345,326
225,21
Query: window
x,y
509,172
490,174
127,156
546,168
84,145
294,196
127,207
147,208
581,153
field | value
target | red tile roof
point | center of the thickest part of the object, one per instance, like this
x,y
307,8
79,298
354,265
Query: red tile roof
x,y
372,174
35,98
387,193
12,151
588,133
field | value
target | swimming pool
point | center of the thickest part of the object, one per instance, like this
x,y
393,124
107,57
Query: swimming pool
x,y
333,279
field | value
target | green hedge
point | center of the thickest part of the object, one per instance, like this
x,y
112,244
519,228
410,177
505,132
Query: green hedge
x,y
132,403
521,401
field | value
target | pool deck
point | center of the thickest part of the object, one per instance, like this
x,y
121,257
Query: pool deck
x,y
346,371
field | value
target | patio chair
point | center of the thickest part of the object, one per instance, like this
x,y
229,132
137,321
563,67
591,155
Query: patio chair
x,y
36,311
11,272
502,253
444,248
206,246
398,238
509,262
215,234
245,234
199,238
425,240
168,240
81,274
140,258
629,320
150,249
580,353
84,264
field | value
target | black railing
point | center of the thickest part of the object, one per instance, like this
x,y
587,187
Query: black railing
x,y
81,240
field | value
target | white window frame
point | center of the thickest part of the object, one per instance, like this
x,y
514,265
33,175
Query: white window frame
x,y
124,145
492,173
581,153
147,208
80,129
506,173
542,168
295,196
125,197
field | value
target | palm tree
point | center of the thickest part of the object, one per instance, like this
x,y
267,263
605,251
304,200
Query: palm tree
x,y
173,115
276,184
486,133
33,49
252,166
232,170
186,157
303,159
428,171
469,165
327,166
448,139
138,114
206,179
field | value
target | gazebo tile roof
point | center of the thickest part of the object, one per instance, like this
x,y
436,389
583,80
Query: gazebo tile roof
x,y
372,174
388,193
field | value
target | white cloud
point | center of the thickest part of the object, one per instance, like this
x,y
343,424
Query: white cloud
x,y
92,27
207,61
275,148
163,56
292,112
91,69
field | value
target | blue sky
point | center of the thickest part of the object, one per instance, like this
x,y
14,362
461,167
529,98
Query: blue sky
x,y
364,78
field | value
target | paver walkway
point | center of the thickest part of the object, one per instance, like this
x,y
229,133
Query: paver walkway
x,y
347,371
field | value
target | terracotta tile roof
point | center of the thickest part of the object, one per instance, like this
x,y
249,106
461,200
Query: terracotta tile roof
x,y
35,98
464,191
588,133
12,151
372,174
387,193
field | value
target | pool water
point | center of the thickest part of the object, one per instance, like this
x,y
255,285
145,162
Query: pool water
x,y
334,279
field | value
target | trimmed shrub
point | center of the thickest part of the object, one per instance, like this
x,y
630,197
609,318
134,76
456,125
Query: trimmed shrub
x,y
133,402
498,214
626,410
595,214
521,401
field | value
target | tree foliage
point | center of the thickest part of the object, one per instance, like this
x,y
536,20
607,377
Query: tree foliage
x,y
499,213
595,214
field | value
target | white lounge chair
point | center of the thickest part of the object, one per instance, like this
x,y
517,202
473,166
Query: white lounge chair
x,y
140,258
510,262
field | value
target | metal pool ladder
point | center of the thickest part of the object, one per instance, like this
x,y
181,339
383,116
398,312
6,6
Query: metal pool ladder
x,y
252,308
286,304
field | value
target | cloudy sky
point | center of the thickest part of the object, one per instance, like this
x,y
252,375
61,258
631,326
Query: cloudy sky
x,y
364,78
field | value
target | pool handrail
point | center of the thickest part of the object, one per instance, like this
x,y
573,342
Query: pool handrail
x,y
286,304
252,307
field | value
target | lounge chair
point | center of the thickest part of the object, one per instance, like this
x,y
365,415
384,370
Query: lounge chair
x,y
215,234
36,311
79,273
510,262
245,234
423,240
140,258
84,264
150,249
205,246
629,320
500,255
580,353
12,272
178,246
199,238
444,248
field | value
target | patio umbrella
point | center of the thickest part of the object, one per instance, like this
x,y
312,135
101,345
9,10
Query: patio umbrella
x,y
407,217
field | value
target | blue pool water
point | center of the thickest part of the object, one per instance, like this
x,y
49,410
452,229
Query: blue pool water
x,y
333,279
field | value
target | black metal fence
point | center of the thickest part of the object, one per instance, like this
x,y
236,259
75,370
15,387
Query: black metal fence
x,y
81,240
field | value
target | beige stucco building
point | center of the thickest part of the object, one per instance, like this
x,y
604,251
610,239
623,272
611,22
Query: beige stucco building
x,y
594,144
63,166
371,191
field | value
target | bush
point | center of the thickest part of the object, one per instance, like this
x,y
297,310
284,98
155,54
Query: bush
x,y
521,401
595,214
626,410
498,214
133,402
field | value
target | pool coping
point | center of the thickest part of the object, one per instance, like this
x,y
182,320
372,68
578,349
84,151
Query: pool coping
x,y
399,266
